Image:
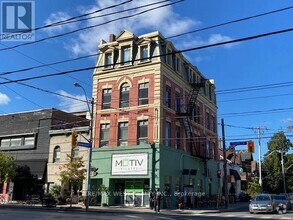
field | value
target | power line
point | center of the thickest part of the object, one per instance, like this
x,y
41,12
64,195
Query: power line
x,y
234,21
90,27
198,30
174,52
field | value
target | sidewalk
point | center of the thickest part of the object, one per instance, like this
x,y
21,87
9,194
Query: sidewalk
x,y
82,208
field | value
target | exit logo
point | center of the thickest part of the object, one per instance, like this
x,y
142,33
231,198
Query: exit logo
x,y
17,20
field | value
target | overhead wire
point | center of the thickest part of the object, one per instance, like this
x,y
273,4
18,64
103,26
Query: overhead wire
x,y
174,52
95,54
89,27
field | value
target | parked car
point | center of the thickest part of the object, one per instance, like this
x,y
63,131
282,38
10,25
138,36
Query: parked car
x,y
282,201
290,196
262,203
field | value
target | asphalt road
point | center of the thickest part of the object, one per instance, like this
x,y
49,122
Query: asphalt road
x,y
26,213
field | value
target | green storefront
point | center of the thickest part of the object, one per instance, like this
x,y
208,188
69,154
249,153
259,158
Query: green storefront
x,y
129,173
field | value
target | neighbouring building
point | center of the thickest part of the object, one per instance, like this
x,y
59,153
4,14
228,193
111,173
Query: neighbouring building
x,y
155,123
25,136
60,149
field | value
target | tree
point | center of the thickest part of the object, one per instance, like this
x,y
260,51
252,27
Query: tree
x,y
272,178
7,171
73,174
253,187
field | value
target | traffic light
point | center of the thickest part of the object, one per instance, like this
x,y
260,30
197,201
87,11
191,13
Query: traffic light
x,y
74,136
250,146
95,172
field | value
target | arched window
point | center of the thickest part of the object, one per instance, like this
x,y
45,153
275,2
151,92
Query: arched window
x,y
56,155
124,95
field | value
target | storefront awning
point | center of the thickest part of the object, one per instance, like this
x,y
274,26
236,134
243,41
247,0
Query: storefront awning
x,y
235,174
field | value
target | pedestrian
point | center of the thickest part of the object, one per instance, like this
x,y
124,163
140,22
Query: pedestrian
x,y
157,200
152,195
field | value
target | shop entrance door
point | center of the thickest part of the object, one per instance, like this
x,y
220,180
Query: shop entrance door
x,y
133,195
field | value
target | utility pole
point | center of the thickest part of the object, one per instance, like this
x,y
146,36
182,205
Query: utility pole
x,y
259,159
225,184
283,170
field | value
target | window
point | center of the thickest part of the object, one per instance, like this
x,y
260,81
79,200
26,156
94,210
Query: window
x,y
168,97
17,142
125,59
168,134
178,137
108,60
75,152
197,114
106,99
142,132
143,93
177,102
169,57
56,154
29,141
124,95
104,135
207,120
177,64
144,53
123,133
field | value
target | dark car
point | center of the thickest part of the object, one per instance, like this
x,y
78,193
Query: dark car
x,y
49,201
282,201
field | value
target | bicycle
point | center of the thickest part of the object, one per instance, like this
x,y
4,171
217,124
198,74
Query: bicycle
x,y
2,200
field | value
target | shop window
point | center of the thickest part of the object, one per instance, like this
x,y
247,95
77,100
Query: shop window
x,y
142,132
104,135
123,133
124,95
106,98
56,154
143,93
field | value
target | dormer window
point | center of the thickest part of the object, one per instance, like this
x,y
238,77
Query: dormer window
x,y
125,55
144,53
108,60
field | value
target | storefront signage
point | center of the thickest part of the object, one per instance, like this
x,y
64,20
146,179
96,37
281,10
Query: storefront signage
x,y
130,164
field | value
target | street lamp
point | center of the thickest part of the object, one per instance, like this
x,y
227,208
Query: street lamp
x,y
282,163
88,184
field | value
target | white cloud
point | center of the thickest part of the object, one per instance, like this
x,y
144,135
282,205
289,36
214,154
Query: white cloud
x,y
287,120
72,105
87,41
212,39
4,99
56,17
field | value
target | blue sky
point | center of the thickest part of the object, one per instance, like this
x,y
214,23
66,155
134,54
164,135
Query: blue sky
x,y
262,61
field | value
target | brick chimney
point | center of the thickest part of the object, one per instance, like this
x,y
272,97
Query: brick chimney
x,y
112,37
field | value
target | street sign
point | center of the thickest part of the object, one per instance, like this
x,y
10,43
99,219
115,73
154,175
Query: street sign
x,y
238,143
84,144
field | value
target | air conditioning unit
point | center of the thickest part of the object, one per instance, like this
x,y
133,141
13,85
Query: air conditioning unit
x,y
124,143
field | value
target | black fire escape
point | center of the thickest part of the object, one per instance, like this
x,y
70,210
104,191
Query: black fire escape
x,y
194,144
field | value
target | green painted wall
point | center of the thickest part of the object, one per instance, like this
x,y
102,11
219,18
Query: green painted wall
x,y
165,167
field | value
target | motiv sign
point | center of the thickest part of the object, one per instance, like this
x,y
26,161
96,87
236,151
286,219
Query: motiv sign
x,y
130,164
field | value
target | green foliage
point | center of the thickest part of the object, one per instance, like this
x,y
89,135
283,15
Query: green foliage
x,y
7,171
73,173
253,188
279,142
55,191
272,167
